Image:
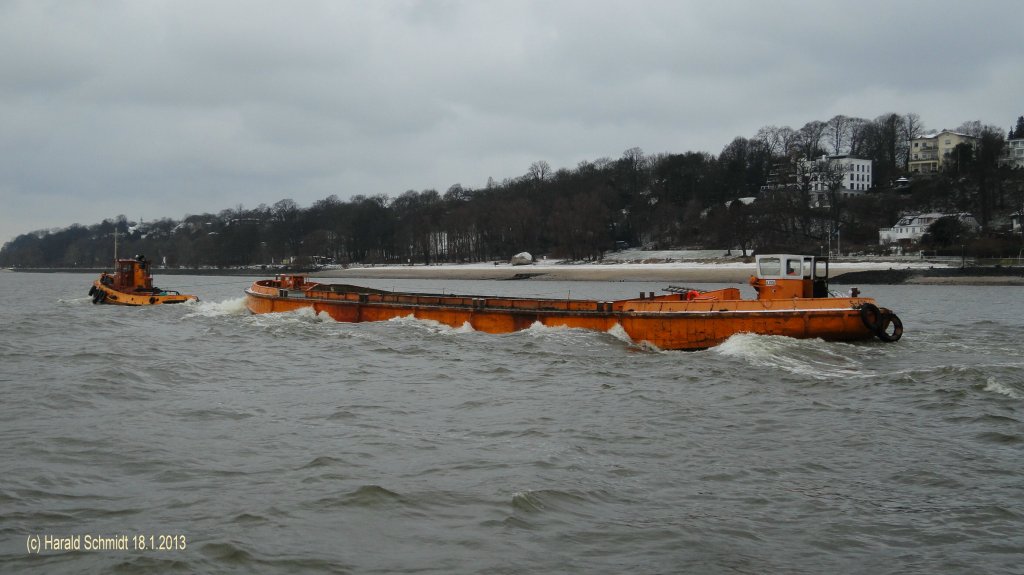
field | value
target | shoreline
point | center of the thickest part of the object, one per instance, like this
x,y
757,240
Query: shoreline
x,y
845,274
852,273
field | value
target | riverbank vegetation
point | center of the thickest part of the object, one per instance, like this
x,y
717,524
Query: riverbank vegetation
x,y
665,200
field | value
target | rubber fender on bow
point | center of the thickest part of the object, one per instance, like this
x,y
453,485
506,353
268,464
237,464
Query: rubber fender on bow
x,y
92,290
871,316
890,320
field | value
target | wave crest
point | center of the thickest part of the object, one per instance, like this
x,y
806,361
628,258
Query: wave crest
x,y
234,306
993,386
813,358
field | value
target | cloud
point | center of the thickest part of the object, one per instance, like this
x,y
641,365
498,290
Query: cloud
x,y
159,108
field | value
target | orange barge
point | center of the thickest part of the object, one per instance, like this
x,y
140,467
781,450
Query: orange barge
x,y
131,284
792,300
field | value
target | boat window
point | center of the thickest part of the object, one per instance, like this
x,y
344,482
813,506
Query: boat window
x,y
821,268
792,267
770,267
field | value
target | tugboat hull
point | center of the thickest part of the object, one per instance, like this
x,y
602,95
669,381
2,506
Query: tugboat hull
x,y
131,284
102,294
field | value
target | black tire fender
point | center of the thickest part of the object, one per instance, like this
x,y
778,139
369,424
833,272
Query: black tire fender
x,y
871,316
893,320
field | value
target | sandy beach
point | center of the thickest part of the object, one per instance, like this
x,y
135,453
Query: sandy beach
x,y
726,271
551,273
693,272
968,280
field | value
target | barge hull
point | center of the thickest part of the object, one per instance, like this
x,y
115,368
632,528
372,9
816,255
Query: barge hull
x,y
663,324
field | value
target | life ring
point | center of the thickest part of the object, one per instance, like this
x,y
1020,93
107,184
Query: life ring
x,y
871,316
692,295
893,320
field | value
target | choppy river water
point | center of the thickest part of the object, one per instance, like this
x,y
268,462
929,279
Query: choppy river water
x,y
287,443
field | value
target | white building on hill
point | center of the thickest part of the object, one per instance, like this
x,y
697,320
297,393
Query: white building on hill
x,y
852,175
1013,155
910,227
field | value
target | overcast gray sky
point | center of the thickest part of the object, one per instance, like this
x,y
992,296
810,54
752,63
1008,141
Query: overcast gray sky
x,y
158,109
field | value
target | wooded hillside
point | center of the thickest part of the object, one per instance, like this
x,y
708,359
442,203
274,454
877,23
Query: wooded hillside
x,y
657,201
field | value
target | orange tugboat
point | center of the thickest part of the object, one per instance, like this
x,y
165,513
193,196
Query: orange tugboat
x,y
131,284
792,300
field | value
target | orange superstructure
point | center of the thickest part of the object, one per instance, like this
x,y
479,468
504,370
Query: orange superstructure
x,y
793,300
131,284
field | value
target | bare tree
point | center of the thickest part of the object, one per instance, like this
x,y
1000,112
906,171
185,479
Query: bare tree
x,y
769,138
810,137
913,127
887,144
539,171
832,173
456,193
838,132
859,130
634,157
973,128
778,141
801,199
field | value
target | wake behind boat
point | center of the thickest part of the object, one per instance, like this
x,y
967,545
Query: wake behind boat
x,y
792,300
131,284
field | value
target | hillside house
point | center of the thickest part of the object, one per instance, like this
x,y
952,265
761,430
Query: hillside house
x,y
929,154
1013,155
911,227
